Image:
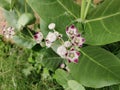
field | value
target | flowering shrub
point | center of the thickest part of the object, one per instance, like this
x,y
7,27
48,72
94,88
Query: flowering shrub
x,y
69,38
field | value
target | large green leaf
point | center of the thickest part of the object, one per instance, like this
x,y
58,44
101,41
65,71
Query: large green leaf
x,y
11,18
102,24
96,68
61,12
24,42
49,59
64,79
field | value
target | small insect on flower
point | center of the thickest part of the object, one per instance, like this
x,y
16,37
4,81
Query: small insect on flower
x,y
38,37
71,31
62,51
73,56
51,26
78,41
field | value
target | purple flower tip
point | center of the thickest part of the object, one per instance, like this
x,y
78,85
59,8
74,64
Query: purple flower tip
x,y
69,61
78,53
67,28
35,36
72,26
78,35
76,60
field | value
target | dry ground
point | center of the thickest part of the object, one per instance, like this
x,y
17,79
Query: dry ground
x,y
2,20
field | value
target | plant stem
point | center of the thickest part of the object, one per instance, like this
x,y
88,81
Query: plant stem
x,y
25,6
83,5
30,33
87,8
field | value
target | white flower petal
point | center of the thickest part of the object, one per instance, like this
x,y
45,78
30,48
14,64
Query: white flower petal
x,y
51,26
48,44
38,37
62,51
62,65
51,37
67,44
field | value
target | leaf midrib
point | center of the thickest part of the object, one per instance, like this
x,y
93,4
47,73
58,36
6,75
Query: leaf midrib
x,y
92,59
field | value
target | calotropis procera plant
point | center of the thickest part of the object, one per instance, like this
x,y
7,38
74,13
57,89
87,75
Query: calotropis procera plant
x,y
62,40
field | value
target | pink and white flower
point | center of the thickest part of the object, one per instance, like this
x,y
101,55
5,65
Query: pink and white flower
x,y
48,43
62,65
71,31
58,34
51,37
73,56
67,44
51,26
78,41
8,32
38,37
62,51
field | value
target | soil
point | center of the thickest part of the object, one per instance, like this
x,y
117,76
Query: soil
x,y
2,20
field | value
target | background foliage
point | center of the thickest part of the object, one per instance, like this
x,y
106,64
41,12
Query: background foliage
x,y
31,66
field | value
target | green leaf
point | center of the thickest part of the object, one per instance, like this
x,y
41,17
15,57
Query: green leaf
x,y
102,24
11,18
25,19
115,87
60,12
62,77
4,4
49,59
24,42
75,85
96,68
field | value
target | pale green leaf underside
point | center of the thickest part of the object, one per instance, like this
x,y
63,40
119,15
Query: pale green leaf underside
x,y
24,42
75,85
96,68
102,26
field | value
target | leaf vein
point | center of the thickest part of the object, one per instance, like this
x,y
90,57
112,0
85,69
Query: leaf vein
x,y
66,8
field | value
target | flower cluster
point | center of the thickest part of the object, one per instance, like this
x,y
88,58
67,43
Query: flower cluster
x,y
52,36
8,32
68,50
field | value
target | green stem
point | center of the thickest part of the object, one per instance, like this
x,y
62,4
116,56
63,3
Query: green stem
x,y
83,5
25,6
87,8
30,33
